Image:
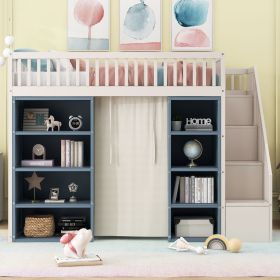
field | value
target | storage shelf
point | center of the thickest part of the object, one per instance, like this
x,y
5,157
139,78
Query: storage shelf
x,y
79,204
209,164
194,169
37,239
247,203
194,205
54,133
23,142
53,169
194,132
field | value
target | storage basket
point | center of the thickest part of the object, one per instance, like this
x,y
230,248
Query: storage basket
x,y
39,226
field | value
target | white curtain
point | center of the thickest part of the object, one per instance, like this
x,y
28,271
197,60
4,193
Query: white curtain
x,y
131,166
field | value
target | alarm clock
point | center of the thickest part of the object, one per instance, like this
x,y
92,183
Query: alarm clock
x,y
75,123
39,150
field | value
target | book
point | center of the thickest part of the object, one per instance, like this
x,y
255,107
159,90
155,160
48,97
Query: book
x,y
75,154
63,153
37,162
89,261
68,153
72,218
187,189
80,153
54,201
192,198
205,198
208,190
72,153
182,189
176,188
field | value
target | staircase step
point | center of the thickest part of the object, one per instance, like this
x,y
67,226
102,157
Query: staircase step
x,y
242,143
239,109
244,180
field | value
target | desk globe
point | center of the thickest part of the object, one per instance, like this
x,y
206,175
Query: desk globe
x,y
193,150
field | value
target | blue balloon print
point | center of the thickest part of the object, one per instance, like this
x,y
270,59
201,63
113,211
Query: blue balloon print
x,y
139,21
191,12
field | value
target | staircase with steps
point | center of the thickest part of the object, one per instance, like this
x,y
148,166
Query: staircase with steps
x,y
248,186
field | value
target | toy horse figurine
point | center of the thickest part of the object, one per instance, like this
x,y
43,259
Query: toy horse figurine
x,y
75,243
51,123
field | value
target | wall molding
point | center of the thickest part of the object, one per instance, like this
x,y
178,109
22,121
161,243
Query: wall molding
x,y
277,88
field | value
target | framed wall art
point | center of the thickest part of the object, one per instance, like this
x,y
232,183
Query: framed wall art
x,y
140,25
88,25
192,25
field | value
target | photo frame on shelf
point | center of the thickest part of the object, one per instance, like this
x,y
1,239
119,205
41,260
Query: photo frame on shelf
x,y
34,118
54,194
89,25
192,25
140,25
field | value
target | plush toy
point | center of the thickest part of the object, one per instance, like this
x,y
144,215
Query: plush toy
x,y
75,244
182,245
220,242
234,245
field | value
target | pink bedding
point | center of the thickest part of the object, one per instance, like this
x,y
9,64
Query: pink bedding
x,y
189,79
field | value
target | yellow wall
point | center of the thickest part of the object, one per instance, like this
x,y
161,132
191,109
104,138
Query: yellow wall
x,y
243,29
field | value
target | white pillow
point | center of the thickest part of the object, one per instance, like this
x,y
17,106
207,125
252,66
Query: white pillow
x,y
64,62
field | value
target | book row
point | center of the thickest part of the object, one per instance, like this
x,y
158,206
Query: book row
x,y
193,190
72,153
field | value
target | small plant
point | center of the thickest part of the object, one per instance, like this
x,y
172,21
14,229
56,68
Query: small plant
x,y
177,119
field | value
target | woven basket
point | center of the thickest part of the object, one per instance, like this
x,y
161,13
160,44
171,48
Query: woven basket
x,y
39,226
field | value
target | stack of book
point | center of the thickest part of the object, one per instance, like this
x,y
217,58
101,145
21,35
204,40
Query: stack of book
x,y
193,190
70,224
72,153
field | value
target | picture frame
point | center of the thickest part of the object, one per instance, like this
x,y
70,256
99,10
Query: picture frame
x,y
88,25
54,194
191,25
34,119
137,34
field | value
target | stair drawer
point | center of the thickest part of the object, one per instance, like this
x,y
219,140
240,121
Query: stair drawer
x,y
242,143
239,110
250,224
244,181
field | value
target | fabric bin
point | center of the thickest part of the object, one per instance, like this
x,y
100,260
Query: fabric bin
x,y
193,227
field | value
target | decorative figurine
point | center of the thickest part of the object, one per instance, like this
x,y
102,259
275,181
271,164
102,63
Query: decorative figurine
x,y
75,123
34,183
73,189
39,151
75,244
51,123
193,150
182,245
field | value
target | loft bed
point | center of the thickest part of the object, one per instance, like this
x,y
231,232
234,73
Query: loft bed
x,y
90,74
67,81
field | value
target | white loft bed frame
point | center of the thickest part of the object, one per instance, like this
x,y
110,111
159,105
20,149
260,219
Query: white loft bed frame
x,y
204,60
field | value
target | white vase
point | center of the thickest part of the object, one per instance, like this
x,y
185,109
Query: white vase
x,y
176,125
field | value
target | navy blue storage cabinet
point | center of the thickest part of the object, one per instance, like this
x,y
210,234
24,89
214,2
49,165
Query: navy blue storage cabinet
x,y
208,165
23,141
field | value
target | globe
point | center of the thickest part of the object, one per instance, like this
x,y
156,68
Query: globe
x,y
192,150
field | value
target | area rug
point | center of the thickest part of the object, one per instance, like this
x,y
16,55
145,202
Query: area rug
x,y
140,258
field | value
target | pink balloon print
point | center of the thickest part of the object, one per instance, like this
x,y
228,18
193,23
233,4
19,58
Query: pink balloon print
x,y
192,38
89,13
